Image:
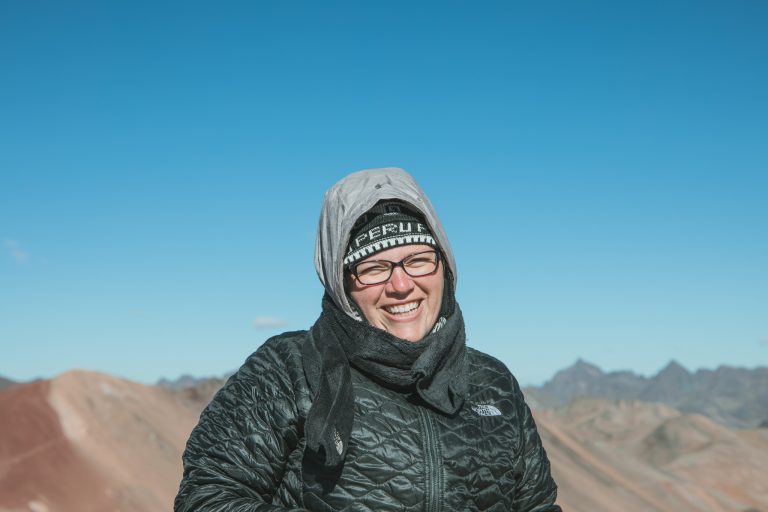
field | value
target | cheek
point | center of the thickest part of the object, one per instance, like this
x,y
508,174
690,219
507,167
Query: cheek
x,y
437,287
365,298
434,291
437,295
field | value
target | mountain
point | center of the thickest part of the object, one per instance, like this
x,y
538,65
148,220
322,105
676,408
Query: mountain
x,y
86,441
584,379
670,383
735,396
631,455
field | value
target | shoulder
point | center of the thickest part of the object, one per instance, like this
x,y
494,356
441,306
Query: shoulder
x,y
280,348
484,369
478,358
275,367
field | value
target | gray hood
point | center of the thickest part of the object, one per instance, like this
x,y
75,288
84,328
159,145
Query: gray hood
x,y
345,202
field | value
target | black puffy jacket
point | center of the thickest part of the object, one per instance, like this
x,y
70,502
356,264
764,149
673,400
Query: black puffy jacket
x,y
246,452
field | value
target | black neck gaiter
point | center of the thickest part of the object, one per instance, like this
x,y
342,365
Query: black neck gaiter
x,y
432,367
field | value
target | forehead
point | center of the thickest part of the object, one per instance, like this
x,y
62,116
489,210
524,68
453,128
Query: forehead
x,y
399,252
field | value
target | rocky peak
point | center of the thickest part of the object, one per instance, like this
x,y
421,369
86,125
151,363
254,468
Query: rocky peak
x,y
673,371
577,380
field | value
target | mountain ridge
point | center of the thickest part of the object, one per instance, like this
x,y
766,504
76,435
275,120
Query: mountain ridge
x,y
735,396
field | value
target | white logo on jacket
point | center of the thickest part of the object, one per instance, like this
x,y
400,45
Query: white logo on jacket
x,y
338,441
486,410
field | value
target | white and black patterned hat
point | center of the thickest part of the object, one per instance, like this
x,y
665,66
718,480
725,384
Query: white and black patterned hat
x,y
388,224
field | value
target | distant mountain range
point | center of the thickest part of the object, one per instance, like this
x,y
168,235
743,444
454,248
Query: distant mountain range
x,y
187,381
737,397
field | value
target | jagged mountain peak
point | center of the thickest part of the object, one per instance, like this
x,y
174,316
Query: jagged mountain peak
x,y
709,392
580,368
583,379
673,368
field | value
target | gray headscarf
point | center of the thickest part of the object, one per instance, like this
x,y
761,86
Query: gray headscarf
x,y
345,202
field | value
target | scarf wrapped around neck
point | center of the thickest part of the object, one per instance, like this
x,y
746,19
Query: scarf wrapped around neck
x,y
433,367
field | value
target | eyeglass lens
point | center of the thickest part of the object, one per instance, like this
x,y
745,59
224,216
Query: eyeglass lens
x,y
415,265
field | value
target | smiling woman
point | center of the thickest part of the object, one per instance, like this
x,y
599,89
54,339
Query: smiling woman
x,y
380,405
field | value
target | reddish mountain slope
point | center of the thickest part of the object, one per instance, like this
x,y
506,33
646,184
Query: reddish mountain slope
x,y
90,442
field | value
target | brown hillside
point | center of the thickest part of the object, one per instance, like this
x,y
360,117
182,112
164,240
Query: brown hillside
x,y
639,456
40,468
90,442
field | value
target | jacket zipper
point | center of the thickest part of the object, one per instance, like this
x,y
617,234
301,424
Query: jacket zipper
x,y
433,463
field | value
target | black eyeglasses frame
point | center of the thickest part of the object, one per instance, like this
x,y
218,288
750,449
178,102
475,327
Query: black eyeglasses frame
x,y
394,264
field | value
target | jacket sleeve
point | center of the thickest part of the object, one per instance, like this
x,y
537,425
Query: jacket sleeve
x,y
536,490
237,454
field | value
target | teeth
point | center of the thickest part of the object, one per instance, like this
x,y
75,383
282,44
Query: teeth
x,y
403,308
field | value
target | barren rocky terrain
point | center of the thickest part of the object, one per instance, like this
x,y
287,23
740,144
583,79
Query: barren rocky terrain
x,y
86,441
90,442
640,456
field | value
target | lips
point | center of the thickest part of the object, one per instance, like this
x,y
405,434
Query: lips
x,y
402,309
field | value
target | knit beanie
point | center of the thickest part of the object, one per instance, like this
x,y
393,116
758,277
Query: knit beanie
x,y
388,224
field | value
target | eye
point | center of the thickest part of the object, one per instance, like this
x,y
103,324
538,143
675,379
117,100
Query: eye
x,y
372,268
420,260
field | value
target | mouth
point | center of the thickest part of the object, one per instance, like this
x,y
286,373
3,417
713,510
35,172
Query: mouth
x,y
398,310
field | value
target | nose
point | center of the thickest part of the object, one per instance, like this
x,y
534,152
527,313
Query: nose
x,y
400,281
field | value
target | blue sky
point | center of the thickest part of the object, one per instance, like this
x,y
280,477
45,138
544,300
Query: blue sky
x,y
601,169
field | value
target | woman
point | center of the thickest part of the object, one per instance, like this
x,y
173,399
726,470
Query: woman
x,y
380,405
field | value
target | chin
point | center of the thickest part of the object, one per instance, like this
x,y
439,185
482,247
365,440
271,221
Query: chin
x,y
413,335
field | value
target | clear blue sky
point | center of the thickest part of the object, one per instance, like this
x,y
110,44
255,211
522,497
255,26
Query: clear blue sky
x,y
601,169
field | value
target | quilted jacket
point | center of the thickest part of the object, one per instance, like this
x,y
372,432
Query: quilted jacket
x,y
246,452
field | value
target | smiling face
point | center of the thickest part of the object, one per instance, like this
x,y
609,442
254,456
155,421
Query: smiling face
x,y
404,306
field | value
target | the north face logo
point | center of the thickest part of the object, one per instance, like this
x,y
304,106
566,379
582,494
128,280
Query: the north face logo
x,y
485,410
338,442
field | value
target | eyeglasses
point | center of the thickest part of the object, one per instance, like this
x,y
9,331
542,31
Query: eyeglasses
x,y
419,264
